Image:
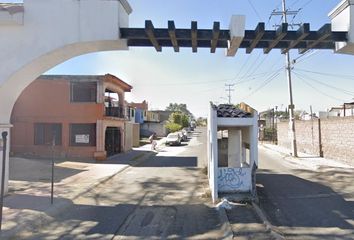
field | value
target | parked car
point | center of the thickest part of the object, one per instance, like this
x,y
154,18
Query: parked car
x,y
173,139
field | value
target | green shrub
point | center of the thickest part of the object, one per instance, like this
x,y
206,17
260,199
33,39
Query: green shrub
x,y
173,127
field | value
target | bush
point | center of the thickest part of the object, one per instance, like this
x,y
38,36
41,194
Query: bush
x,y
173,127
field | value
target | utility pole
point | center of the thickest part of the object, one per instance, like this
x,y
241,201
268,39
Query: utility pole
x,y
292,133
229,86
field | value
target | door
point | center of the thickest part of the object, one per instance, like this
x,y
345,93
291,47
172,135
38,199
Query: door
x,y
113,141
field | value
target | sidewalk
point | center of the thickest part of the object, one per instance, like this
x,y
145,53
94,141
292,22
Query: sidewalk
x,y
304,160
27,204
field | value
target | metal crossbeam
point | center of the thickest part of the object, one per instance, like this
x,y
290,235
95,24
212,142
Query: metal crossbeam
x,y
302,39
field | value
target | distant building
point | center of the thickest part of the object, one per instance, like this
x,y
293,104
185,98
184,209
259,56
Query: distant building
x,y
85,115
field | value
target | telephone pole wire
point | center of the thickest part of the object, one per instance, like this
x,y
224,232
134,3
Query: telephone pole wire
x,y
229,89
292,133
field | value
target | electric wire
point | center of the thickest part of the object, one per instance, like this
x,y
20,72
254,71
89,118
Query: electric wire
x,y
264,84
255,10
351,77
316,89
327,85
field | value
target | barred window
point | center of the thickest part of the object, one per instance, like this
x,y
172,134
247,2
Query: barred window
x,y
44,133
83,92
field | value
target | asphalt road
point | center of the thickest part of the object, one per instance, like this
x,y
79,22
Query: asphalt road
x,y
162,198
303,203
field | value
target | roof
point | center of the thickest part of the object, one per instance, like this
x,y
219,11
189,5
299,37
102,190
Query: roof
x,y
11,8
107,78
111,78
230,111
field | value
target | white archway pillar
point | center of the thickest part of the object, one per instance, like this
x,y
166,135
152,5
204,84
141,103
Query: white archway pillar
x,y
50,33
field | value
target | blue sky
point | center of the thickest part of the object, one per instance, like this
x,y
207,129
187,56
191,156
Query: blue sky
x,y
197,79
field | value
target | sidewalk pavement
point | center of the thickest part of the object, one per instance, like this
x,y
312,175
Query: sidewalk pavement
x,y
304,160
27,204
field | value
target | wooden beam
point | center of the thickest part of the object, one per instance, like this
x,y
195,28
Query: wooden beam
x,y
323,33
194,36
280,34
149,30
216,33
301,34
259,32
172,33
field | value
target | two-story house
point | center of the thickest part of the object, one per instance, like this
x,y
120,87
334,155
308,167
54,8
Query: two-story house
x,y
83,116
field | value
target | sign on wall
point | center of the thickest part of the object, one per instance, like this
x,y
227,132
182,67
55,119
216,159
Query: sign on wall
x,y
82,138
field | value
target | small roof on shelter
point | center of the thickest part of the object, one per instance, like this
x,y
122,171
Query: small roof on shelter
x,y
11,8
231,111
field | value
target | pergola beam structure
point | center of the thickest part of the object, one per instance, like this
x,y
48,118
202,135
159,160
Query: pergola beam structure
x,y
172,33
259,32
301,33
323,33
280,34
216,33
195,38
149,30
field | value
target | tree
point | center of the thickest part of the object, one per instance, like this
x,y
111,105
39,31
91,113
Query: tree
x,y
177,121
179,107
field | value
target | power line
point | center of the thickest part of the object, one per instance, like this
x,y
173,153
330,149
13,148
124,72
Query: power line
x,y
327,85
265,83
255,10
351,77
316,89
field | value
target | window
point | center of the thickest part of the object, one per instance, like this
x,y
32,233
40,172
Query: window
x,y
83,134
83,92
44,133
133,112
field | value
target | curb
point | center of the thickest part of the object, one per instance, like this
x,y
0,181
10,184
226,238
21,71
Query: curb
x,y
225,224
267,224
56,208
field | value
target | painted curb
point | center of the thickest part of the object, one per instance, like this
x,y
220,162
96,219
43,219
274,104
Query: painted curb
x,y
267,224
225,224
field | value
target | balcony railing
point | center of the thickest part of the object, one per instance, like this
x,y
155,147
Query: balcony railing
x,y
115,112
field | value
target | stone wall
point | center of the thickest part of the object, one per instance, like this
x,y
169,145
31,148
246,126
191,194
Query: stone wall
x,y
333,136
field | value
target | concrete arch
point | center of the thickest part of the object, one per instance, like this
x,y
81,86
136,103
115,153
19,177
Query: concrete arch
x,y
41,34
17,82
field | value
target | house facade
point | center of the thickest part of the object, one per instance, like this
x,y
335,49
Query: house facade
x,y
82,116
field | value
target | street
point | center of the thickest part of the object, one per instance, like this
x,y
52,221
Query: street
x,y
303,203
164,197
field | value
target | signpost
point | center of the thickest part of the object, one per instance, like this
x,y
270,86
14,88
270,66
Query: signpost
x,y
4,139
52,186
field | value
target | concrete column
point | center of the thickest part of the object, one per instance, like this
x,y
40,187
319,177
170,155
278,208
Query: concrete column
x,y
342,19
5,128
234,148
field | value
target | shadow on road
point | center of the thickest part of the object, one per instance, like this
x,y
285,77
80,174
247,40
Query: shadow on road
x,y
80,221
298,206
170,161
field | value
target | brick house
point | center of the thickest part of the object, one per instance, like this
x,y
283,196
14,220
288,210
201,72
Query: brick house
x,y
84,114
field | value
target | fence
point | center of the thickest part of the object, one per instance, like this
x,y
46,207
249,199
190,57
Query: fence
x,y
330,138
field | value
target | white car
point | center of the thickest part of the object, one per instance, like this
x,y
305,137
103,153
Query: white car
x,y
173,139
